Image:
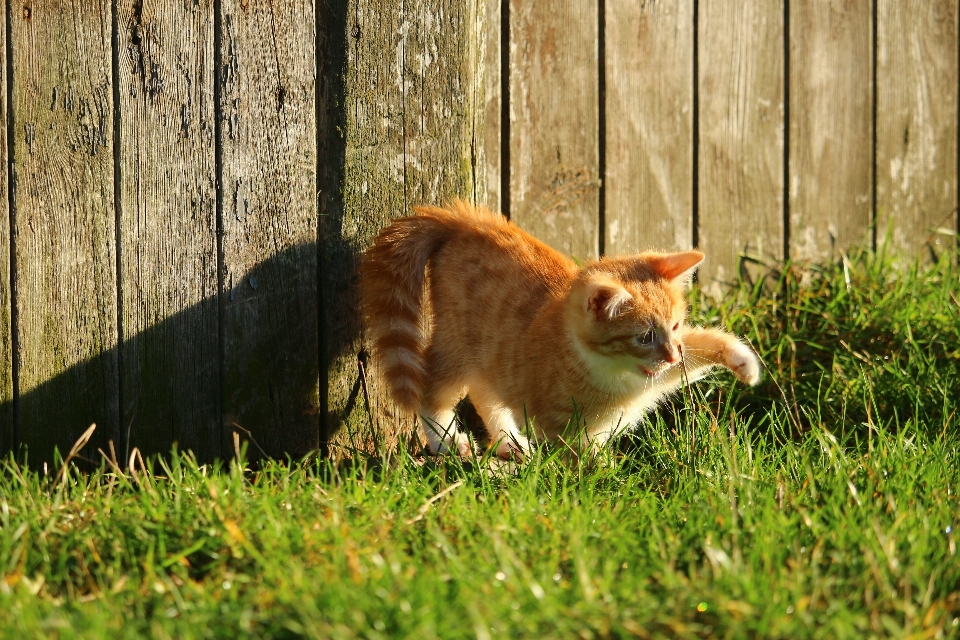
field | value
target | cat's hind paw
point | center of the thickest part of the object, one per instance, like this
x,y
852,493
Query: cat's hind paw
x,y
457,443
444,439
744,363
513,446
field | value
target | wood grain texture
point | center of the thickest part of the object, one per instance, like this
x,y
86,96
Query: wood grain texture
x,y
6,329
170,353
554,141
371,187
414,124
649,104
65,224
269,301
741,137
473,184
831,131
492,71
916,122
442,100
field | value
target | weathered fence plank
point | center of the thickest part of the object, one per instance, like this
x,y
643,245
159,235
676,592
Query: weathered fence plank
x,y
443,101
65,225
168,246
491,72
372,192
266,73
741,137
831,130
414,123
554,128
649,141
7,439
916,121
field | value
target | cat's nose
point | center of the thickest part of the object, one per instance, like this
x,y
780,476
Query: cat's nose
x,y
671,357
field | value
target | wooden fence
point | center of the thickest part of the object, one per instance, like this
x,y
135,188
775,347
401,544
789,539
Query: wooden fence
x,y
189,182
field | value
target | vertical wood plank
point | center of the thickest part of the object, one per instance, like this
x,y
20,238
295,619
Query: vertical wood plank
x,y
332,44
474,185
414,123
372,193
442,103
492,74
649,123
65,223
170,352
554,141
741,137
6,329
269,301
916,121
831,128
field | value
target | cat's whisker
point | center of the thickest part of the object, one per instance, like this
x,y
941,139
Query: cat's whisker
x,y
697,362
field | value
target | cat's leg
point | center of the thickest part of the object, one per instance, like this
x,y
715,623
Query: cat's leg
x,y
500,423
602,430
593,443
706,348
438,422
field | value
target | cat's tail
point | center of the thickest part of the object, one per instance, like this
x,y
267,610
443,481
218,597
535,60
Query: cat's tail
x,y
392,277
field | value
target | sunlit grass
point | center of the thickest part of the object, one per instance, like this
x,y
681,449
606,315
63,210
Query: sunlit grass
x,y
822,503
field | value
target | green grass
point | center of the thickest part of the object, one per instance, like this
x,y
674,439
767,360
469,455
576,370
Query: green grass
x,y
821,503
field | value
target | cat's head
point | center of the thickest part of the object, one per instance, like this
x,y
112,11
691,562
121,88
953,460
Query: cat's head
x,y
626,312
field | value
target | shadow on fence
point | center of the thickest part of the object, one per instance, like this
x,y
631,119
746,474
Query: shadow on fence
x,y
248,360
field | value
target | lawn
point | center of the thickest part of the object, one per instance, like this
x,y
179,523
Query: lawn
x,y
820,504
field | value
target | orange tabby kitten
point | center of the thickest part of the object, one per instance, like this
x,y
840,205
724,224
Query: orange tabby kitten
x,y
530,336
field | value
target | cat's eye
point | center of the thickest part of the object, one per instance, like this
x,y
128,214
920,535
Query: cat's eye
x,y
646,337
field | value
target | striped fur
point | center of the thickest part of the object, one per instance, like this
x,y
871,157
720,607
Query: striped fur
x,y
392,286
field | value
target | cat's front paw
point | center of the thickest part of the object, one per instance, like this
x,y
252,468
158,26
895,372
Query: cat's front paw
x,y
744,363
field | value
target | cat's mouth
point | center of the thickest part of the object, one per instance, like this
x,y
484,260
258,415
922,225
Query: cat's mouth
x,y
656,371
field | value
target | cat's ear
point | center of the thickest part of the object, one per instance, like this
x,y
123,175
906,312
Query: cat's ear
x,y
676,267
606,299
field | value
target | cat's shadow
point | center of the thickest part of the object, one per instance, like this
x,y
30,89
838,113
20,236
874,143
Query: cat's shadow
x,y
251,359
194,379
